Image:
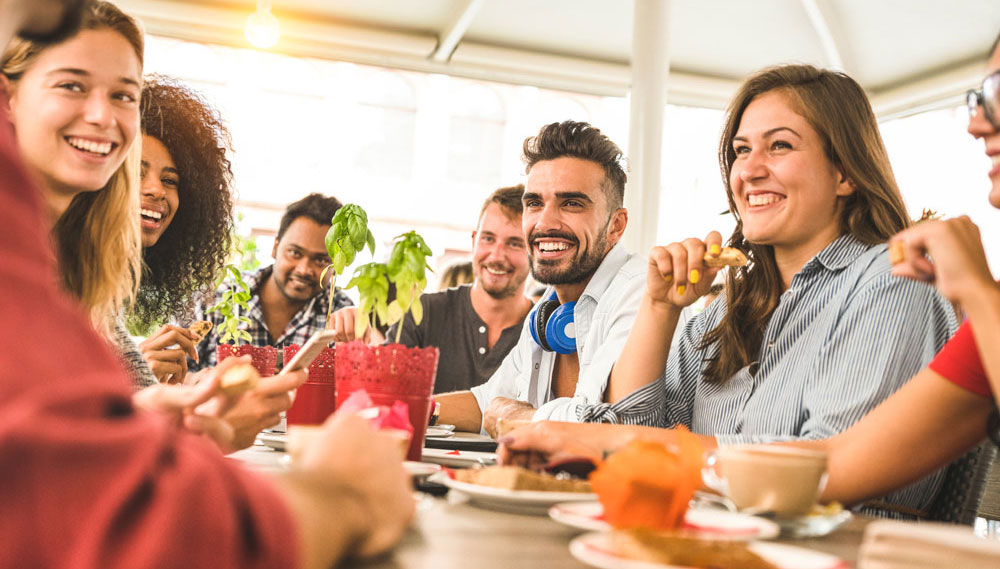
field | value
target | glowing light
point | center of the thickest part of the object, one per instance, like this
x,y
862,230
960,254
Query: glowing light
x,y
263,29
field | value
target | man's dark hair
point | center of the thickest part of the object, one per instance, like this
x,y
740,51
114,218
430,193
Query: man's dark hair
x,y
509,200
580,140
316,207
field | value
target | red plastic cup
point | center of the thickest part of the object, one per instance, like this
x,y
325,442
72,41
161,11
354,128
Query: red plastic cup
x,y
390,373
315,399
263,358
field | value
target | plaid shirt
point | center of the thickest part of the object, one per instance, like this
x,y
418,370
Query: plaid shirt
x,y
308,321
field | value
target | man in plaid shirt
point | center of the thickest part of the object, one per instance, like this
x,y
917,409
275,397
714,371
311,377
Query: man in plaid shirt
x,y
289,304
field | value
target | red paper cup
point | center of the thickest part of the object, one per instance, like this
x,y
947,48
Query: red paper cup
x,y
314,402
390,373
263,358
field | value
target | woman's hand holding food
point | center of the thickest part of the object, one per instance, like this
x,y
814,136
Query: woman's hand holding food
x,y
677,273
169,364
948,253
196,407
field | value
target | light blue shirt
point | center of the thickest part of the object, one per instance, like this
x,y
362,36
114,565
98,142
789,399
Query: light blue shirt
x,y
845,335
603,316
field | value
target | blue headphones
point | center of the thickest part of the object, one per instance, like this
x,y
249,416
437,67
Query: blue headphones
x,y
551,325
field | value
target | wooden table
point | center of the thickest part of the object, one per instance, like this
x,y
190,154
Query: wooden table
x,y
449,533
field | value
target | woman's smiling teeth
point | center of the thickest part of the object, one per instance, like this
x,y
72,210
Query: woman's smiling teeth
x,y
151,214
93,147
757,200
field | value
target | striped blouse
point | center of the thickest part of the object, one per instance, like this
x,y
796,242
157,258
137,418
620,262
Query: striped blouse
x,y
845,335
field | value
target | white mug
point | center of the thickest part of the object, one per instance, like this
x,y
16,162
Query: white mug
x,y
781,479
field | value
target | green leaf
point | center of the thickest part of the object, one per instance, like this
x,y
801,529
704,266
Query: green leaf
x,y
395,313
371,242
360,325
417,310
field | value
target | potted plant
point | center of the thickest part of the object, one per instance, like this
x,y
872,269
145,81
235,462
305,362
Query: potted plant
x,y
348,235
392,372
232,329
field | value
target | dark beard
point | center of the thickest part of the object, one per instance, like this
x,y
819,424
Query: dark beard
x,y
581,269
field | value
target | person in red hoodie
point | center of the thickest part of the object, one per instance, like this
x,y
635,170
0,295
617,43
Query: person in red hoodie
x,y
92,481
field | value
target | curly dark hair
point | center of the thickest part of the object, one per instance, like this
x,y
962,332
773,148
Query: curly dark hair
x,y
192,251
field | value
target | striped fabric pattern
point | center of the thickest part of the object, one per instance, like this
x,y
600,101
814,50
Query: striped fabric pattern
x,y
846,334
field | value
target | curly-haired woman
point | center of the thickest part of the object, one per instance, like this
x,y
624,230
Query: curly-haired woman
x,y
186,216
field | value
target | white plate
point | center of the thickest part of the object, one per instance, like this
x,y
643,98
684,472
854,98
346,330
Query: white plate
x,y
710,524
420,469
535,502
595,550
438,432
813,525
272,439
457,458
442,426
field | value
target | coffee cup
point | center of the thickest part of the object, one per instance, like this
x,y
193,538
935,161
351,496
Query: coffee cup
x,y
778,479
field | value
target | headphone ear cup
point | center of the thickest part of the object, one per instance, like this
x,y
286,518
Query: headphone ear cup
x,y
560,331
538,322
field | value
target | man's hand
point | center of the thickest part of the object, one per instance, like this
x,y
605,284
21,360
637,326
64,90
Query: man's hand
x,y
169,364
366,467
195,407
261,407
342,322
676,274
957,265
504,408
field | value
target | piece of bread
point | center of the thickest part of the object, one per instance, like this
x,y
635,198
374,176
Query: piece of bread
x,y
896,252
677,550
201,329
239,379
727,257
517,478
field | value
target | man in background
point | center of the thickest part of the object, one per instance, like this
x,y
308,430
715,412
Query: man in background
x,y
288,302
474,325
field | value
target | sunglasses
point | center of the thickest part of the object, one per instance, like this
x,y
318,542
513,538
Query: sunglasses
x,y
987,97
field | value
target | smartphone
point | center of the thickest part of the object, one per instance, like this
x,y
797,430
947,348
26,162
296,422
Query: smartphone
x,y
310,351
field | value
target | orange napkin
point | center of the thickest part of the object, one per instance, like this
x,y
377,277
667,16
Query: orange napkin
x,y
648,485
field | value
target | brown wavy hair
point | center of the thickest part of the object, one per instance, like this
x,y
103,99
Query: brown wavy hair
x,y
191,252
836,107
98,236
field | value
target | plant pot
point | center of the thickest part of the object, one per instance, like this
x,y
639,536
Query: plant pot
x,y
263,358
314,399
390,373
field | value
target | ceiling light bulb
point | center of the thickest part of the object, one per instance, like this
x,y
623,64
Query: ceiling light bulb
x,y
263,29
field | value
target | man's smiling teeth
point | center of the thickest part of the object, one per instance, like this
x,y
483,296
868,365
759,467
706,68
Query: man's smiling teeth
x,y
551,246
763,199
102,148
152,214
495,272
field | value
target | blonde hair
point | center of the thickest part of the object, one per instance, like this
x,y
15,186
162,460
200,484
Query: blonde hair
x,y
98,237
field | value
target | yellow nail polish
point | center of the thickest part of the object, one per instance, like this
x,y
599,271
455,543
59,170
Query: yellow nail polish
x,y
695,276
681,289
715,250
668,278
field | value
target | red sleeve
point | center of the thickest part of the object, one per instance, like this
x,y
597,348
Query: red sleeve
x,y
88,482
959,362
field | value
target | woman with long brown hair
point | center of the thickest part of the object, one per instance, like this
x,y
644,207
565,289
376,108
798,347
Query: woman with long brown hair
x,y
786,352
